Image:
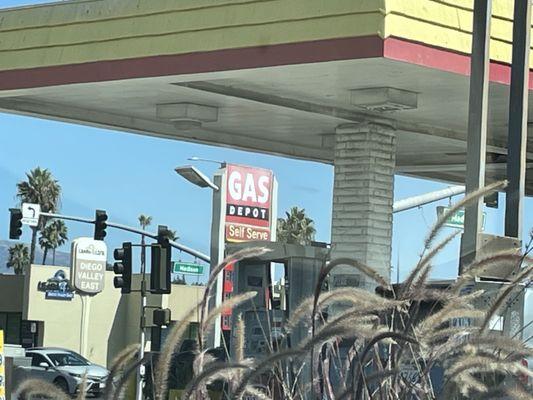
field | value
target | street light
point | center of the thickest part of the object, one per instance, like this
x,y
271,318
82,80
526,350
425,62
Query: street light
x,y
196,177
193,175
194,158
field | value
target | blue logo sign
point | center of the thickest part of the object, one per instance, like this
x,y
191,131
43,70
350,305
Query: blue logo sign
x,y
57,287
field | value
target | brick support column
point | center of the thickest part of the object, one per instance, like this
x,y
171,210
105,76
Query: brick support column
x,y
365,156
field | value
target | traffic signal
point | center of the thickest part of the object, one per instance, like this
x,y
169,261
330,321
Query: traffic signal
x,y
161,263
123,267
161,317
15,223
100,225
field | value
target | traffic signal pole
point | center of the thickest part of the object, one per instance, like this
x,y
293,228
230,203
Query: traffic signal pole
x,y
176,245
197,254
141,369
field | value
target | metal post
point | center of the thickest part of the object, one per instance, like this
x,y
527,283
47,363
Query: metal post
x,y
518,110
477,127
126,228
423,199
140,370
217,250
84,328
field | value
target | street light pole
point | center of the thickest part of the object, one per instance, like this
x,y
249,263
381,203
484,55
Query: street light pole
x,y
193,175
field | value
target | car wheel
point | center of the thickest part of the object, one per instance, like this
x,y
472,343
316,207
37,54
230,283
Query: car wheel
x,y
62,384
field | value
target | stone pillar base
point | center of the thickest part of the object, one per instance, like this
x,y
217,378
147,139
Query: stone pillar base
x,y
363,191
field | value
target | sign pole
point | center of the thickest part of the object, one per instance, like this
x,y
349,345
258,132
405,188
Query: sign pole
x,y
217,249
85,314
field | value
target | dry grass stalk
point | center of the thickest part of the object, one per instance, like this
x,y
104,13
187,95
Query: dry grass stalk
x,y
230,303
118,365
235,257
468,353
82,391
171,346
39,388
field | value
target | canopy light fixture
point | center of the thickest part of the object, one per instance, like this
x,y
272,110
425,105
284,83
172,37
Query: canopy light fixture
x,y
384,99
187,115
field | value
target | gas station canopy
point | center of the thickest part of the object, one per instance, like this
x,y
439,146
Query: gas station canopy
x,y
273,76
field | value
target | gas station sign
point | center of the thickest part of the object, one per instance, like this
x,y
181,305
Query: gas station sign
x,y
248,203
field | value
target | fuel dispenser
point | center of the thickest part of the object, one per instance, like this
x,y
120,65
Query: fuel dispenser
x,y
279,294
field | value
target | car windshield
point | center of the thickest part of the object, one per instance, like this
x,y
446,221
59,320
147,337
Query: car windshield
x,y
64,359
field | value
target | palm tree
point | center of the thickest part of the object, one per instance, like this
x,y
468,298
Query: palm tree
x,y
171,234
144,221
40,188
53,235
18,258
296,228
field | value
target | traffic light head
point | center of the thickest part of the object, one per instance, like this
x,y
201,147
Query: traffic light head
x,y
15,223
162,317
161,263
100,225
123,267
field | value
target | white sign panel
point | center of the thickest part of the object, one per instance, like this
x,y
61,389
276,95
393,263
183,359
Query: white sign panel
x,y
89,259
30,214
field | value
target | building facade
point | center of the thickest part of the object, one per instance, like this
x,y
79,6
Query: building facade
x,y
40,309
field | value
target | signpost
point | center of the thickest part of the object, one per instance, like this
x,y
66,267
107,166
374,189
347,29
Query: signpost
x,y
30,214
180,267
249,215
457,220
87,276
89,258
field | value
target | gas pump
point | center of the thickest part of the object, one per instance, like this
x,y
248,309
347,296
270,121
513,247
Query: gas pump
x,y
265,315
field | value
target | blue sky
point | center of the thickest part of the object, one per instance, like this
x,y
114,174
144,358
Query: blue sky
x,y
128,174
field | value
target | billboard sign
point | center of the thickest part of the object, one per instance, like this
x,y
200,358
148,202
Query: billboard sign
x,y
248,203
89,259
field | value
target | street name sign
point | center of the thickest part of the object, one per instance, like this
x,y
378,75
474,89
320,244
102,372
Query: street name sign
x,y
179,267
30,214
456,220
89,259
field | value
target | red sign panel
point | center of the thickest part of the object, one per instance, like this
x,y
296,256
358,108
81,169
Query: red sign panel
x,y
248,215
248,203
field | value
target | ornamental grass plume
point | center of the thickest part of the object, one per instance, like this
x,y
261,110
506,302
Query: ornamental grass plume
x,y
385,345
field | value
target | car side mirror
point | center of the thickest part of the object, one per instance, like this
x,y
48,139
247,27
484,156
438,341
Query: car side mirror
x,y
44,365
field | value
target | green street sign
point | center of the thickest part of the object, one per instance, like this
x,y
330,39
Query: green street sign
x,y
457,220
180,267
